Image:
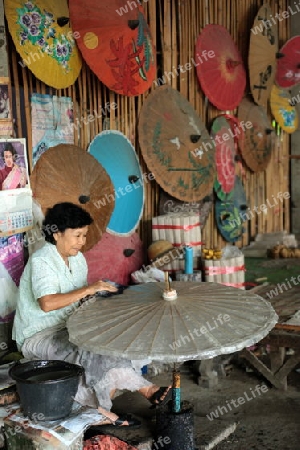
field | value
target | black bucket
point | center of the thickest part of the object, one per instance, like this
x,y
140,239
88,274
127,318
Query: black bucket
x,y
46,388
175,430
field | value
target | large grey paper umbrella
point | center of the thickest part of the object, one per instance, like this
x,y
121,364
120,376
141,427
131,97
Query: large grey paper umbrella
x,y
206,319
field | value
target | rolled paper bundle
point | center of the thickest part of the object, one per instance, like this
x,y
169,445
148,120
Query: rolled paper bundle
x,y
176,400
188,267
218,276
161,231
226,277
241,273
169,229
209,277
155,231
232,262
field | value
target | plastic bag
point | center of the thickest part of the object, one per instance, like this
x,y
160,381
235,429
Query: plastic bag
x,y
9,294
151,275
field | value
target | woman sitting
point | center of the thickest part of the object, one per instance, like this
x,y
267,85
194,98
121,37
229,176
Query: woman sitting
x,y
52,285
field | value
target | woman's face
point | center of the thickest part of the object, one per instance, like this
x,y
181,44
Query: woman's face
x,y
8,158
71,241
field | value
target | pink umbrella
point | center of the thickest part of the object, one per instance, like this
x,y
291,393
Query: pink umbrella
x,y
115,258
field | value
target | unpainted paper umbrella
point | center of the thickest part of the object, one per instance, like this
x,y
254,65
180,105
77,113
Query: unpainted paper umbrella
x,y
176,145
283,110
117,155
288,64
222,75
115,258
205,320
44,39
115,41
259,137
66,173
262,55
225,157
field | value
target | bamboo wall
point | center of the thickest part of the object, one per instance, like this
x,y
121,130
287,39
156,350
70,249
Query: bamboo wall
x,y
175,26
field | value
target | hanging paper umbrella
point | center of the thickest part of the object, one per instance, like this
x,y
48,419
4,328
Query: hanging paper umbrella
x,y
176,145
115,258
67,173
116,44
42,35
225,157
283,110
262,55
117,155
232,212
288,64
258,143
220,67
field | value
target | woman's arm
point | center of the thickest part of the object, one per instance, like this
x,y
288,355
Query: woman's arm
x,y
56,301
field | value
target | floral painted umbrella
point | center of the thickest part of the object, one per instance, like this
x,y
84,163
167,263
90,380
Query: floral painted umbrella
x,y
283,110
115,42
288,64
176,145
230,213
42,35
225,157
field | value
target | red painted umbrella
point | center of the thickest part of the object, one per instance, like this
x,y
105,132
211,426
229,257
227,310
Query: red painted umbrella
x,y
220,68
115,42
225,154
288,64
115,258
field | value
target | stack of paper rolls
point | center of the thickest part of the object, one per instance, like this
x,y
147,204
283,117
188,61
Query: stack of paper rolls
x,y
227,271
182,228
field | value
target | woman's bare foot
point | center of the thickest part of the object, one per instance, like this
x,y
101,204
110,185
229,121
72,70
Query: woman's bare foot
x,y
110,418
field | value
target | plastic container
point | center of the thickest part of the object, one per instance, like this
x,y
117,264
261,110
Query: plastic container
x,y
46,388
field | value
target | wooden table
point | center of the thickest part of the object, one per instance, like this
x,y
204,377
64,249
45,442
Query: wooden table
x,y
286,303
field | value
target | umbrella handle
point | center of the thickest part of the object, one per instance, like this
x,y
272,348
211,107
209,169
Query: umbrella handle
x,y
176,397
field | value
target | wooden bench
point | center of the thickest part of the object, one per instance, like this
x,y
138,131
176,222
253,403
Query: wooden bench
x,y
286,303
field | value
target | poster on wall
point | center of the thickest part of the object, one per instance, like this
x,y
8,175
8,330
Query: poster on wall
x,y
6,123
52,123
15,192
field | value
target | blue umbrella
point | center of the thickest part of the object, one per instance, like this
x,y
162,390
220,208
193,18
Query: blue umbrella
x,y
117,156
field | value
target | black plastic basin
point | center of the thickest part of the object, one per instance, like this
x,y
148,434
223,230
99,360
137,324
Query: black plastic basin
x,y
46,388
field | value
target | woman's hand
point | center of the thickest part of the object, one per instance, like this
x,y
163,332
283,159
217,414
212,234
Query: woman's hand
x,y
101,285
56,301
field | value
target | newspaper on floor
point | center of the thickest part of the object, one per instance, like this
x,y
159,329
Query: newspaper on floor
x,y
65,430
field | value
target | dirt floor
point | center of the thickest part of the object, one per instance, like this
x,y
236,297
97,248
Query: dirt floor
x,y
268,421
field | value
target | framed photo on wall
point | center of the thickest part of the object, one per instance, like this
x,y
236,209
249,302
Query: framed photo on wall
x,y
13,164
15,193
